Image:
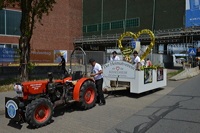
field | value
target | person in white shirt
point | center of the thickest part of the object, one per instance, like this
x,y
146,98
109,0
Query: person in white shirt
x,y
114,57
96,73
148,62
136,60
143,62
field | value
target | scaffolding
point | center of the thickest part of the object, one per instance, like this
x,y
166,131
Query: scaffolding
x,y
169,36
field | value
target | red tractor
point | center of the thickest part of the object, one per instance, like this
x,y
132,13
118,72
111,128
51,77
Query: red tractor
x,y
36,100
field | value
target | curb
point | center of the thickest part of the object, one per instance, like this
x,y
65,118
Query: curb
x,y
187,73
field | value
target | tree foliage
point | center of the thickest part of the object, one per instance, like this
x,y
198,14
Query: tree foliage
x,y
32,11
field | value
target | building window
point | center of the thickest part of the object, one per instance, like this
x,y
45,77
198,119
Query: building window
x,y
10,22
99,27
8,46
91,28
116,24
84,29
132,22
106,26
13,22
1,45
112,25
2,22
14,46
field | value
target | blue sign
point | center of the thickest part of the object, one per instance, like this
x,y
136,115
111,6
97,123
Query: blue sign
x,y
192,13
11,108
11,111
192,51
133,43
8,55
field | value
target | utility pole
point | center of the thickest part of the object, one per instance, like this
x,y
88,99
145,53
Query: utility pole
x,y
101,18
125,17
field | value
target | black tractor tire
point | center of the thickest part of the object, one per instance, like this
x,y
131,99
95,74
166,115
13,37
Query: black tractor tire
x,y
88,95
39,112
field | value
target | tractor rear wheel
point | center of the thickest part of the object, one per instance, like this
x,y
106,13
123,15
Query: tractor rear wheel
x,y
39,112
88,95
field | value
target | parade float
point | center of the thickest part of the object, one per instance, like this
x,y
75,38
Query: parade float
x,y
122,74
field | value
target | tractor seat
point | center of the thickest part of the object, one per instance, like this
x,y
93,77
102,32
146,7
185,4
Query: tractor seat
x,y
77,75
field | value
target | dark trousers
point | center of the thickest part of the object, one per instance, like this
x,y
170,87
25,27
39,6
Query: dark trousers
x,y
100,96
64,70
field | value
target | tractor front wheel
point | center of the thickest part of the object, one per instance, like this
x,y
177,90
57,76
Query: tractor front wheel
x,y
39,112
88,94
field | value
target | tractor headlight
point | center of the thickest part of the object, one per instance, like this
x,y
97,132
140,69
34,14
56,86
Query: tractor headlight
x,y
18,87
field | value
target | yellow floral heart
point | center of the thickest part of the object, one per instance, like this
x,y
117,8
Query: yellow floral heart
x,y
127,51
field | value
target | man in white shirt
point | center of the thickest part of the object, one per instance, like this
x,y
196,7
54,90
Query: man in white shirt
x,y
136,60
114,57
96,73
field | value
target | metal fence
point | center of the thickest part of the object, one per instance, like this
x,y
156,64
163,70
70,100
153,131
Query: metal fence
x,y
78,58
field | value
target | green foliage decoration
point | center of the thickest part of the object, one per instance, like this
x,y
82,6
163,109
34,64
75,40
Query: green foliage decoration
x,y
154,67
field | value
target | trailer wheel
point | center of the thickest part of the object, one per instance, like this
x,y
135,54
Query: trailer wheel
x,y
88,95
39,112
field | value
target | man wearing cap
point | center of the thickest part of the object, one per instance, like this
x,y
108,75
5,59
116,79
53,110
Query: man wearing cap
x,y
115,57
96,73
136,60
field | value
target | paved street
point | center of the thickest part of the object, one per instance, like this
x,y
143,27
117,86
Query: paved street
x,y
173,108
177,112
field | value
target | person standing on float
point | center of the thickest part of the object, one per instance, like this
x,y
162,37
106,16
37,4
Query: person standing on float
x,y
136,60
114,57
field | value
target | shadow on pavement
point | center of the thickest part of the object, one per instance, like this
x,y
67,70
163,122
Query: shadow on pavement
x,y
122,93
14,124
30,127
68,108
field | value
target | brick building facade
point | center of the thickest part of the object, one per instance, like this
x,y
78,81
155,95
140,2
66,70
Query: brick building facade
x,y
60,27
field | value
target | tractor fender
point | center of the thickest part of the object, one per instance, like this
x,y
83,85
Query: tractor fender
x,y
68,78
77,87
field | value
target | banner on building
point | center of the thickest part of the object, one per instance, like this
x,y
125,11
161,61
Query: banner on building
x,y
58,53
9,55
192,13
42,56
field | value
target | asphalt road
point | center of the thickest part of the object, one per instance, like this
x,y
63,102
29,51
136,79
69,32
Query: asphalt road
x,y
174,108
177,112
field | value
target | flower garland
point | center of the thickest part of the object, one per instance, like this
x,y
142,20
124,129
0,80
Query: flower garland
x,y
154,67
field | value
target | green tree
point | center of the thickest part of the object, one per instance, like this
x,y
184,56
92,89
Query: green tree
x,y
32,11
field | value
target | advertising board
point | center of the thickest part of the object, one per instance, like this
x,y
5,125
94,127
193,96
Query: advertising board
x,y
192,13
121,69
41,56
9,55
